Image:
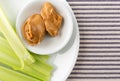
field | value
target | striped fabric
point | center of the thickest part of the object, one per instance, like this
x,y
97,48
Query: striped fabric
x,y
99,54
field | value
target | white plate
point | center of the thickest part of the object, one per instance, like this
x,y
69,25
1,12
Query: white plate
x,y
65,59
50,44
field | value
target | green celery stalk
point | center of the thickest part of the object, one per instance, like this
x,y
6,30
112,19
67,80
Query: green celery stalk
x,y
14,41
42,67
32,72
41,62
36,69
11,75
1,35
7,55
43,58
5,47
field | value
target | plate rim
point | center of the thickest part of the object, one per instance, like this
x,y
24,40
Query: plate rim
x,y
77,37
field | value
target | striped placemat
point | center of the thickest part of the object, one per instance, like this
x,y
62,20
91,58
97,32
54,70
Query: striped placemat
x,y
99,54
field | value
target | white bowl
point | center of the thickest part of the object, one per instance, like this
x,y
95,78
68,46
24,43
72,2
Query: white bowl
x,y
49,45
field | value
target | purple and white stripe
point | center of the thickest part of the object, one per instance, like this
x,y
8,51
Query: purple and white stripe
x,y
99,54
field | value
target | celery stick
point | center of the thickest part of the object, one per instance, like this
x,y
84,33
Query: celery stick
x,y
7,55
8,60
37,69
40,62
14,41
1,35
10,75
13,62
43,58
42,67
5,47
30,71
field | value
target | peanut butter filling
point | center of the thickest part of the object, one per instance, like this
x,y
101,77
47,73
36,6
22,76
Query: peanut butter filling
x,y
52,19
34,29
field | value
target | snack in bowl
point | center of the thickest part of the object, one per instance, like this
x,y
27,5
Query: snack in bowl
x,y
52,19
62,32
34,29
35,26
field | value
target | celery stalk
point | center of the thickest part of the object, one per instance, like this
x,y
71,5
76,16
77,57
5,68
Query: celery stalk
x,y
5,47
36,69
7,55
1,35
42,67
10,75
14,41
39,69
32,72
43,58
